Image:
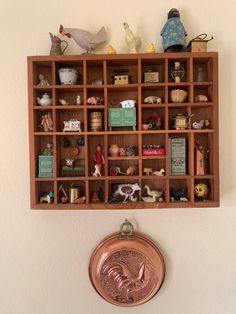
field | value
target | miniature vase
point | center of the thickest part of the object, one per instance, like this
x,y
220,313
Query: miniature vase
x,y
114,150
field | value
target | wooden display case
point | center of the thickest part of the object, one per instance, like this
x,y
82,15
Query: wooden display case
x,y
96,79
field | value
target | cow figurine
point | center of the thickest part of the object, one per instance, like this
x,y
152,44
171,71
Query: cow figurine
x,y
128,191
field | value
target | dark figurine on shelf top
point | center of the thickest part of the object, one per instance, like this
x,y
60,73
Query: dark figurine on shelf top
x,y
173,33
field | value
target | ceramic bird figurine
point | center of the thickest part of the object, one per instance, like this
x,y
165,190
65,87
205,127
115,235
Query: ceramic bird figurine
x,y
132,41
85,39
198,125
151,49
111,50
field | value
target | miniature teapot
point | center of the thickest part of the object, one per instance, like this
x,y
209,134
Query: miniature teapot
x,y
45,100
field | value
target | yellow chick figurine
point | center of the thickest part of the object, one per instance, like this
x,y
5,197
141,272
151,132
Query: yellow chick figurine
x,y
151,49
111,50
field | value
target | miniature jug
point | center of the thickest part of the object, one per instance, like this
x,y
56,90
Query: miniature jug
x,y
56,48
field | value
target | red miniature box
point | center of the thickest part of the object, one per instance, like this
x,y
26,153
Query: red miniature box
x,y
153,151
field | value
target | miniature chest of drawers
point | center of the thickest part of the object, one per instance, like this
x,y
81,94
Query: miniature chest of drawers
x,y
118,117
45,166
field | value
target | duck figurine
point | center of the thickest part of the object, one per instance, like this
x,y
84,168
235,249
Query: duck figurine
x,y
154,195
46,100
198,125
151,49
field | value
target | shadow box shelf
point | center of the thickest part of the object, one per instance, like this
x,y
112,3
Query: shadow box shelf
x,y
155,117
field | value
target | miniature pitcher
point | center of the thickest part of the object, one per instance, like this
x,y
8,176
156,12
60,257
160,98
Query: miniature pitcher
x,y
56,48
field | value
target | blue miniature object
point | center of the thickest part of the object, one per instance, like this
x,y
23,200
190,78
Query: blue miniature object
x,y
173,33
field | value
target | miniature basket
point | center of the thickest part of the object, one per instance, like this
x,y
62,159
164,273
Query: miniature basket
x,y
178,95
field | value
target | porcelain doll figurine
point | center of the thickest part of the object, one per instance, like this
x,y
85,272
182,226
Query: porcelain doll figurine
x,y
99,160
173,33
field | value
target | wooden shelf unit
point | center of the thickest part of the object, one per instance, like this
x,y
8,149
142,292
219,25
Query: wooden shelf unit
x,y
96,66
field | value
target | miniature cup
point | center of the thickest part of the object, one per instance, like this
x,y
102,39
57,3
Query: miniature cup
x,y
147,126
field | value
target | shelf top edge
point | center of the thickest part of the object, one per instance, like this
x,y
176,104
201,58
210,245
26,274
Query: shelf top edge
x,y
121,56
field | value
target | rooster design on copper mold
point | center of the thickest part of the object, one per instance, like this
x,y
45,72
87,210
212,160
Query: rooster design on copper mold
x,y
125,281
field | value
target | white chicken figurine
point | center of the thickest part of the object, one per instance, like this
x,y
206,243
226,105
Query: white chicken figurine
x,y
85,39
132,41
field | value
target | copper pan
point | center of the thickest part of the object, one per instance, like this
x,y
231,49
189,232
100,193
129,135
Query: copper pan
x,y
127,268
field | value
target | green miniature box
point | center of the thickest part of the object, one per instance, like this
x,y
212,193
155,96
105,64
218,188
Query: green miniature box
x,y
118,117
177,156
45,166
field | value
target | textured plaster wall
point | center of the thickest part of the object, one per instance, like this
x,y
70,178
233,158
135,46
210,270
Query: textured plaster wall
x,y
44,255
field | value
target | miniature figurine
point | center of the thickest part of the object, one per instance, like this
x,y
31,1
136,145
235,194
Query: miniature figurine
x,y
85,39
155,194
46,122
48,149
78,101
177,194
95,198
201,98
94,101
152,100
200,159
63,102
148,171
201,191
151,48
80,200
131,171
133,42
99,160
70,162
177,72
80,141
47,198
159,173
173,33
65,142
198,125
207,124
111,50
64,198
128,191
42,81
56,45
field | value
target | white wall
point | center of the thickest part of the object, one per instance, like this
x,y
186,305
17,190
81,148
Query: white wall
x,y
44,255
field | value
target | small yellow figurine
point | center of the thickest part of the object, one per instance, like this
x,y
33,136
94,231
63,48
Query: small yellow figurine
x,y
151,48
111,50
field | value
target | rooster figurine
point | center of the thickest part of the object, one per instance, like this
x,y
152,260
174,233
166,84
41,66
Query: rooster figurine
x,y
85,39
132,41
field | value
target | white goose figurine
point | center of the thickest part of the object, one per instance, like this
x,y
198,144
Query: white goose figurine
x,y
132,41
155,194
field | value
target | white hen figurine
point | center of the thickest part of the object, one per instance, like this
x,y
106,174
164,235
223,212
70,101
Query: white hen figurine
x,y
85,39
132,41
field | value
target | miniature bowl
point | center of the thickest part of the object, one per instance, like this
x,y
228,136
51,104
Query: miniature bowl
x,y
68,76
178,95
130,103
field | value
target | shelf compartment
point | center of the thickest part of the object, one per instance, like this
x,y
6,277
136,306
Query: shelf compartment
x,y
154,117
202,70
71,192
154,139
44,193
39,93
180,154
202,118
173,112
44,68
43,121
113,67
128,145
203,154
71,160
205,90
183,72
76,65
93,142
97,191
116,95
95,92
180,190
181,87
151,190
66,115
123,168
113,186
158,91
95,72
68,97
95,120
40,145
203,195
153,65
154,167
